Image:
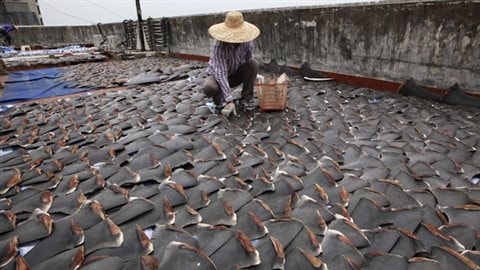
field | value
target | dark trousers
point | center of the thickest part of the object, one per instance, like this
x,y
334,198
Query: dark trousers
x,y
8,38
246,75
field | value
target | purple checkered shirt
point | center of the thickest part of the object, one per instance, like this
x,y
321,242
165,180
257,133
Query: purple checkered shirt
x,y
225,60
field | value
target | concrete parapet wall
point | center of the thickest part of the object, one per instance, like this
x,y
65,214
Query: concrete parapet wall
x,y
435,42
54,36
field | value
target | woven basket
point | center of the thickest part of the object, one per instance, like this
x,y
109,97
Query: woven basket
x,y
272,97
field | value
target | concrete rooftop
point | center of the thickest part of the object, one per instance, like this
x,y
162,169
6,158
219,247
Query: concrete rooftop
x,y
146,177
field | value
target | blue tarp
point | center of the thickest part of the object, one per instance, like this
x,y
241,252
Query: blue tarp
x,y
35,84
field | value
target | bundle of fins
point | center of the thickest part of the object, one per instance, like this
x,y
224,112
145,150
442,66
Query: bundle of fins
x,y
453,96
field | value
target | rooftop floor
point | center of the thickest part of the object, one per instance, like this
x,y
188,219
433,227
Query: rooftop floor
x,y
147,177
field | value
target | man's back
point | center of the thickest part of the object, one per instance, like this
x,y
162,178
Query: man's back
x,y
8,27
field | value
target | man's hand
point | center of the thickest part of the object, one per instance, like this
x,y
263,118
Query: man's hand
x,y
228,109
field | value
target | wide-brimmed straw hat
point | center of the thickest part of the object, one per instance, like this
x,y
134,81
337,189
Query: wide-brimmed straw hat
x,y
234,29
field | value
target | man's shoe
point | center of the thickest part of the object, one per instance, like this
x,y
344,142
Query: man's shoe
x,y
229,109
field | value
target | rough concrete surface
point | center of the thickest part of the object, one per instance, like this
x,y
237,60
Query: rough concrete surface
x,y
149,178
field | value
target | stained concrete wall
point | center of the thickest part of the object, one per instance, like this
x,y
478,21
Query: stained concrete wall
x,y
56,36
435,42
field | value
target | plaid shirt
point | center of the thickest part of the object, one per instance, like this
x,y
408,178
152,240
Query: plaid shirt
x,y
225,60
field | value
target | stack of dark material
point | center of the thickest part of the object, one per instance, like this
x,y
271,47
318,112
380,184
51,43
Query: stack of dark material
x,y
274,68
453,96
309,74
131,73
63,60
149,178
305,71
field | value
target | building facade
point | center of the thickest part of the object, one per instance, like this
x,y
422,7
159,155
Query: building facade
x,y
20,12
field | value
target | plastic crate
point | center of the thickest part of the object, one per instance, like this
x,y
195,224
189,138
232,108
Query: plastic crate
x,y
272,97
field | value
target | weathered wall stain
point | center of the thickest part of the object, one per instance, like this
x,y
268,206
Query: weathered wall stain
x,y
54,36
435,42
